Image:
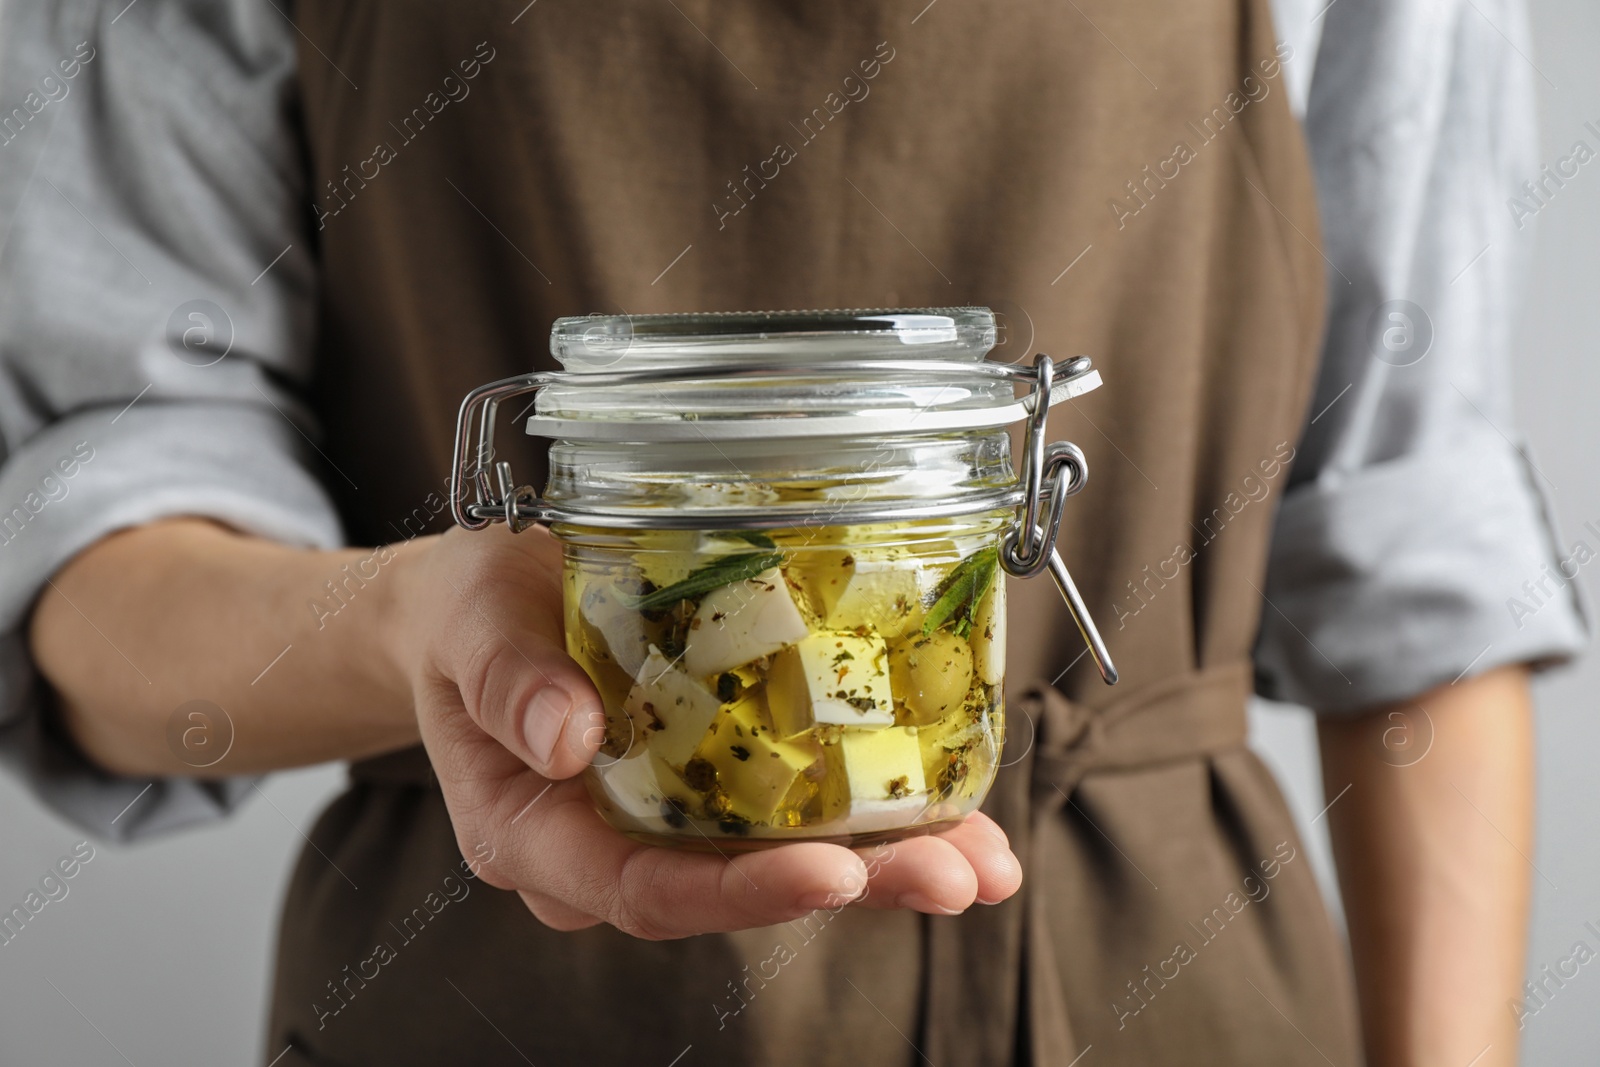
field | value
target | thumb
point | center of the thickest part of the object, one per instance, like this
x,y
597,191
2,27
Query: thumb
x,y
532,698
506,657
488,608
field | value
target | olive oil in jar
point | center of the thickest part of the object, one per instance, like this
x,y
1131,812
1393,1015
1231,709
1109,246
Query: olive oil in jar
x,y
828,683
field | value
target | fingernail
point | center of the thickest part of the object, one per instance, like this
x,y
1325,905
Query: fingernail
x,y
919,902
547,714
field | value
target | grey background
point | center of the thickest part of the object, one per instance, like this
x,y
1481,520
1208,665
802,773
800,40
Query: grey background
x,y
161,953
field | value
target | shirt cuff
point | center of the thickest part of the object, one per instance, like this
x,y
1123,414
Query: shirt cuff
x,y
1413,573
99,471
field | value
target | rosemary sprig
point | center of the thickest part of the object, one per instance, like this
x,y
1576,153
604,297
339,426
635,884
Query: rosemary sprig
x,y
755,537
714,575
957,597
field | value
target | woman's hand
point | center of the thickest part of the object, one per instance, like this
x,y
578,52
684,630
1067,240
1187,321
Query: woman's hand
x,y
509,719
311,656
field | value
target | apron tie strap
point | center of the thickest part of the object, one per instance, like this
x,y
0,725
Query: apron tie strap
x,y
977,961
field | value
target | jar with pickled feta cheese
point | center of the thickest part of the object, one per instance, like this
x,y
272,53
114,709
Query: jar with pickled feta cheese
x,y
786,537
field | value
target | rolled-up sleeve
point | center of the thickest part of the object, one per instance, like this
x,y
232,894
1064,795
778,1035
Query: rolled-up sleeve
x,y
1416,544
158,284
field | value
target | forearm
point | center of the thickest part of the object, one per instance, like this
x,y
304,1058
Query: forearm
x,y
1433,846
152,618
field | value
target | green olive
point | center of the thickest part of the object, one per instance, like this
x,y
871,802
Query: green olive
x,y
930,675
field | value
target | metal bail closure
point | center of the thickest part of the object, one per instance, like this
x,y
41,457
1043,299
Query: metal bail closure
x,y
1052,471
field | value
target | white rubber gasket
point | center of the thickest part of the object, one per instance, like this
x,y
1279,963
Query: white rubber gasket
x,y
803,426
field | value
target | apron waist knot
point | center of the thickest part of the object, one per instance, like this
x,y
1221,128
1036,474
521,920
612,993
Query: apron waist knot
x,y
993,968
1178,718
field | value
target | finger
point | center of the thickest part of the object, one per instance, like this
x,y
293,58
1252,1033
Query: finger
x,y
547,838
982,819
927,874
986,848
554,914
658,893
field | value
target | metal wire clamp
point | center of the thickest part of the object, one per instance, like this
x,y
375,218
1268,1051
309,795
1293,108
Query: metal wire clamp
x,y
1052,471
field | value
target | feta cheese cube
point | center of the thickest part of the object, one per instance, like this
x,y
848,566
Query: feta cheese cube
x,y
871,816
833,676
741,622
884,594
616,629
638,786
810,572
875,778
670,709
759,773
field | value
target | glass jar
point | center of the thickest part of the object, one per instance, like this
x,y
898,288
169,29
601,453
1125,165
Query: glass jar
x,y
786,538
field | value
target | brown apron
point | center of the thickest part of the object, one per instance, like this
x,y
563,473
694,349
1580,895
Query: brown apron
x,y
1124,179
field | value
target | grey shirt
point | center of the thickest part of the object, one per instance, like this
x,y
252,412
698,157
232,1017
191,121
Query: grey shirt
x,y
157,288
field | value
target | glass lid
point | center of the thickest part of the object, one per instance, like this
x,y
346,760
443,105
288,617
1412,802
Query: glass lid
x,y
781,374
591,343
